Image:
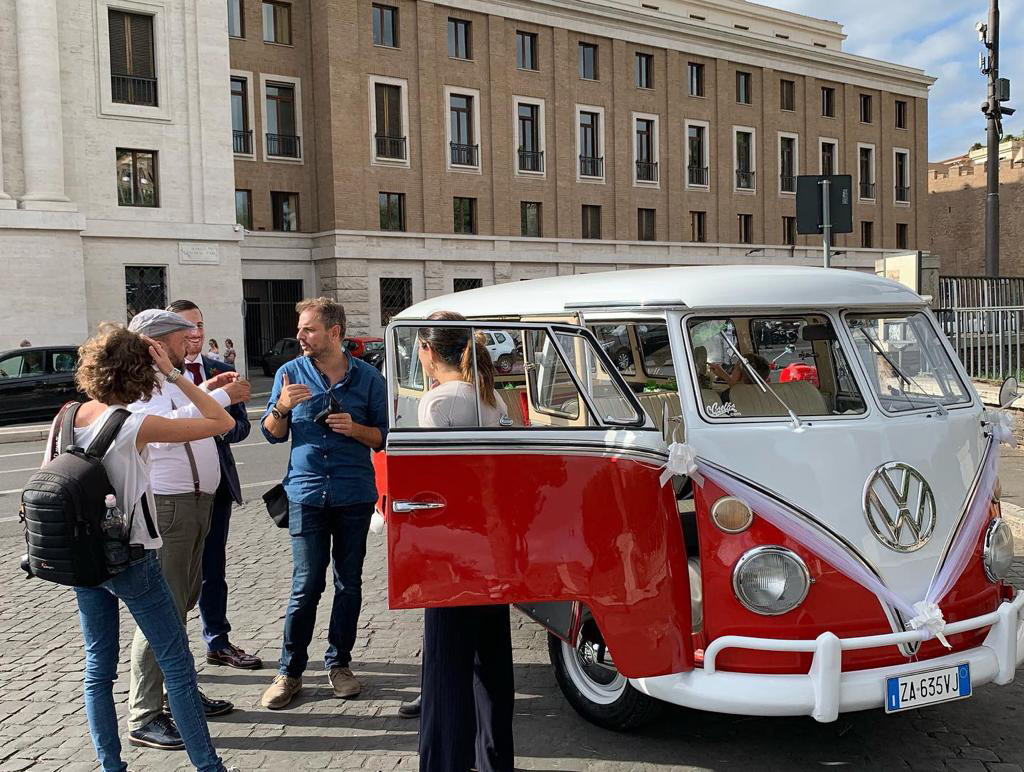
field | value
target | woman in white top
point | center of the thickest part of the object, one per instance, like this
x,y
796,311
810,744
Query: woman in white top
x,y
468,693
214,352
118,367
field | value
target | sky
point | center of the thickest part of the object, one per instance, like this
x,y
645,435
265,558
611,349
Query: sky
x,y
939,37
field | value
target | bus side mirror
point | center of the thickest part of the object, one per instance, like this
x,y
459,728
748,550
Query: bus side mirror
x,y
1008,392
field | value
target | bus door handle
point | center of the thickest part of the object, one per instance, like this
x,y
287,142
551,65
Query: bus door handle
x,y
404,507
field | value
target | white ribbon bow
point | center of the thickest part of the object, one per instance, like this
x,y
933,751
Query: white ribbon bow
x,y
929,617
1002,423
682,461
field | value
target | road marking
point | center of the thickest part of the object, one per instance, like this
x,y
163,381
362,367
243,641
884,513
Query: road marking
x,y
27,453
26,469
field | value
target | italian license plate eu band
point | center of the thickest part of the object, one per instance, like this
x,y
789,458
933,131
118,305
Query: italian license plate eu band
x,y
928,687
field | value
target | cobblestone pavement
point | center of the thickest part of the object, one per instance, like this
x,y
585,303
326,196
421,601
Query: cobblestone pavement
x,y
43,723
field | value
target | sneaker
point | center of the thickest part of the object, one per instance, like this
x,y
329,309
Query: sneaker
x,y
160,733
344,683
281,692
410,709
232,656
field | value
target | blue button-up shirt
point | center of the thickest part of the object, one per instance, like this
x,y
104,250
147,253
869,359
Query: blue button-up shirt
x,y
326,468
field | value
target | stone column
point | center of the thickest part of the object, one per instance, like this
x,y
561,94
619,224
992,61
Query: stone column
x,y
42,134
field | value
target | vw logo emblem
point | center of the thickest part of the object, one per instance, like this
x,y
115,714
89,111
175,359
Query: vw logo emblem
x,y
900,507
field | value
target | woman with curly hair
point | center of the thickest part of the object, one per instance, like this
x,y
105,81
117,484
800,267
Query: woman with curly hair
x,y
117,367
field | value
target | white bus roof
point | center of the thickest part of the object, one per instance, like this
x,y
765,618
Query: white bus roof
x,y
696,287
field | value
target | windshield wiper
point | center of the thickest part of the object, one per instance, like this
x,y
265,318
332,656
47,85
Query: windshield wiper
x,y
797,424
868,334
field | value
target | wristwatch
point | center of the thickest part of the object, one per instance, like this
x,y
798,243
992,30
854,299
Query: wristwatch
x,y
173,375
278,414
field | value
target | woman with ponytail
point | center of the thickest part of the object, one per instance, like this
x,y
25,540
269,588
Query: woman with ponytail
x,y
468,692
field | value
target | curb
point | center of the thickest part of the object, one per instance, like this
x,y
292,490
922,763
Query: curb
x,y
1014,517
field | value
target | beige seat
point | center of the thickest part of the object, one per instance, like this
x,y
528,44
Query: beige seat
x,y
751,401
654,404
801,396
513,403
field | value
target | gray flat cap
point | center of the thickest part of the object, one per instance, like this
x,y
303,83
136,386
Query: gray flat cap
x,y
155,322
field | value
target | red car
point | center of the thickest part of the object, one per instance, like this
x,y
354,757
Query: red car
x,y
360,347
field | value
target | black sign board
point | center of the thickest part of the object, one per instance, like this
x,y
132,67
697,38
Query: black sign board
x,y
809,214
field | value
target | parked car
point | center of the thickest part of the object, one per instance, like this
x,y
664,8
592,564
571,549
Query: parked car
x,y
35,382
361,346
503,350
287,349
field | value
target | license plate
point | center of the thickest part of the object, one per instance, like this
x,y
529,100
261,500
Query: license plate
x,y
928,687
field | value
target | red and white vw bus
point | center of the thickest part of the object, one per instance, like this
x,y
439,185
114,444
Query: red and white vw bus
x,y
754,490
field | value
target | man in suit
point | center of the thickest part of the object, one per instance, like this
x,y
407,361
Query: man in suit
x,y
213,598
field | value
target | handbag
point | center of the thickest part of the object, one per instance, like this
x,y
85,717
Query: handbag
x,y
277,505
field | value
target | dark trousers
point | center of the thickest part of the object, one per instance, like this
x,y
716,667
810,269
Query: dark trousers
x,y
213,598
468,693
320,535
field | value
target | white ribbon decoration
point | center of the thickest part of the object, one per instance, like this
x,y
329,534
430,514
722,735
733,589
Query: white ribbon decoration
x,y
1002,423
929,617
682,462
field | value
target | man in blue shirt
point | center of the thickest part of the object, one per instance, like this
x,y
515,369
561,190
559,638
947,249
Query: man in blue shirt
x,y
334,408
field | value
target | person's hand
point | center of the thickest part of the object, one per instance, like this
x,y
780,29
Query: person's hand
x,y
340,423
159,356
220,380
238,390
292,394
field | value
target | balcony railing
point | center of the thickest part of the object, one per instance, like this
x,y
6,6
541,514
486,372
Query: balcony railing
x,y
902,194
697,175
646,171
464,155
132,90
242,140
283,146
390,147
787,183
867,190
591,166
744,180
531,161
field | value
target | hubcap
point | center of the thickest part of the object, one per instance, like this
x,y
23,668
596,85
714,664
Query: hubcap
x,y
590,667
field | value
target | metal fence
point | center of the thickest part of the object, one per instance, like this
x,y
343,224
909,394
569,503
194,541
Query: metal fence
x,y
983,317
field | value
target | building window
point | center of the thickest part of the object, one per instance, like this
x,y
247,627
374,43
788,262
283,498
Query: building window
x,y
392,211
464,152
828,157
646,227
236,19
901,114
389,135
132,59
145,286
744,160
902,235
867,234
395,297
531,156
591,160
866,169
588,61
696,155
591,221
277,23
465,215
460,44
902,175
284,211
240,131
646,150
746,228
644,71
698,227
136,178
243,208
461,285
865,108
282,137
787,164
385,26
828,101
743,88
789,231
529,218
526,50
787,95
696,72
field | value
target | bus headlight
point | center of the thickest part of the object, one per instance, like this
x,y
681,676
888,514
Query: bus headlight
x,y
998,553
770,580
731,515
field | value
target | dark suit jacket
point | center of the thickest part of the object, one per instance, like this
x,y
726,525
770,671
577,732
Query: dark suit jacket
x,y
228,471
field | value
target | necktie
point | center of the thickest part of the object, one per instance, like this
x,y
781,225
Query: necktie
x,y
193,370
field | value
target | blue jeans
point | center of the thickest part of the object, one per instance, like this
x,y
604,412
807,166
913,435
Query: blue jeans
x,y
318,535
144,591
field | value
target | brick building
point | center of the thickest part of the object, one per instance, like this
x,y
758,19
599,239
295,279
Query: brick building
x,y
388,151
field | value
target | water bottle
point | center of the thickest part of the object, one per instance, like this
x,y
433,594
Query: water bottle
x,y
115,533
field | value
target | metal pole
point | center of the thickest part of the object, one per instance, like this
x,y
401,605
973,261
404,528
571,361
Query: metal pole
x,y
826,222
992,163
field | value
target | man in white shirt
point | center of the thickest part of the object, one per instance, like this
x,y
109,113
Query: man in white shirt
x,y
184,478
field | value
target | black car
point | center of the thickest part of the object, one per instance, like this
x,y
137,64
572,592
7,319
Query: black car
x,y
36,381
283,351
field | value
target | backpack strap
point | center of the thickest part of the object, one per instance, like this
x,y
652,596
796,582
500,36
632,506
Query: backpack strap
x,y
149,517
99,446
64,428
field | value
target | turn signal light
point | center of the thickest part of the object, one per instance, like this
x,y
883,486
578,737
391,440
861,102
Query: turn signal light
x,y
731,515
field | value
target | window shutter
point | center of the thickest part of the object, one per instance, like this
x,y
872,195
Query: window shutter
x,y
142,46
118,43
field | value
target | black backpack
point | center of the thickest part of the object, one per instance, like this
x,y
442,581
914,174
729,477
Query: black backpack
x,y
62,506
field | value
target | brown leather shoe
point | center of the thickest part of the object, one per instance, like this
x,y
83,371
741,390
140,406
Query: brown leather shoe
x,y
281,692
344,683
233,656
